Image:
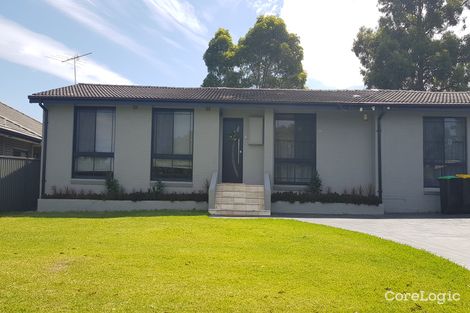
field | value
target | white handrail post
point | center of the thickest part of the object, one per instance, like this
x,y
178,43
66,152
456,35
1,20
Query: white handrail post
x,y
212,190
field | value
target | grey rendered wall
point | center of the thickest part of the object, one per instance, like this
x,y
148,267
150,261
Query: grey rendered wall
x,y
132,150
132,146
345,150
269,143
206,146
402,159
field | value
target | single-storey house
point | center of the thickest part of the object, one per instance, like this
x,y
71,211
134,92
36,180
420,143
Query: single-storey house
x,y
20,135
243,143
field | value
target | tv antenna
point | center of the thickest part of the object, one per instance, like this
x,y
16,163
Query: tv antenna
x,y
75,59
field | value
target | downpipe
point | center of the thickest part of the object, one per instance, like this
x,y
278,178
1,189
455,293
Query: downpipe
x,y
379,152
45,122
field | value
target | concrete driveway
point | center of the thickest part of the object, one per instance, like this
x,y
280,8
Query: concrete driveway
x,y
445,236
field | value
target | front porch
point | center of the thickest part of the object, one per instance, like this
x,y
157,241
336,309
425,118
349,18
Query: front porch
x,y
242,184
279,150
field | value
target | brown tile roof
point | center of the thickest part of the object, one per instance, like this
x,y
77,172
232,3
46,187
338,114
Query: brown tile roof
x,y
14,121
255,96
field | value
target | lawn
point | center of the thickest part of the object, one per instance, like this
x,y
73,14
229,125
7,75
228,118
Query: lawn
x,y
167,262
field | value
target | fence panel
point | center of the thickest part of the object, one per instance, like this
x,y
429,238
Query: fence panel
x,y
19,183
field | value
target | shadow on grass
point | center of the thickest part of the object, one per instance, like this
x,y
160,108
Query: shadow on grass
x,y
107,214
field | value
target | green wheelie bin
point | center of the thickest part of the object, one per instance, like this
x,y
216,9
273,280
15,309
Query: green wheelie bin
x,y
465,192
451,194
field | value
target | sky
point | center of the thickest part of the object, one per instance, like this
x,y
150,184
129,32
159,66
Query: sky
x,y
161,42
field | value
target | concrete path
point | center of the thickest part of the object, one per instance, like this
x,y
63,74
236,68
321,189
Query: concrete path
x,y
445,236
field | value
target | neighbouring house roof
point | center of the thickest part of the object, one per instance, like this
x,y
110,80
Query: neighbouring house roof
x,y
251,96
14,122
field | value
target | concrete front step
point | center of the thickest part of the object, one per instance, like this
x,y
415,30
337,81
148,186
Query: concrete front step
x,y
219,212
239,200
239,187
228,200
238,206
239,194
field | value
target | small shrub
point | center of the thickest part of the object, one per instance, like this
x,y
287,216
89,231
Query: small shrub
x,y
157,188
315,184
112,185
149,195
304,197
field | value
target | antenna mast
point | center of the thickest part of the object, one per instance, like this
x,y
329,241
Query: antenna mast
x,y
75,58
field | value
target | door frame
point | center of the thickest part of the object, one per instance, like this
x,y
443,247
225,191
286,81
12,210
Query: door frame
x,y
241,120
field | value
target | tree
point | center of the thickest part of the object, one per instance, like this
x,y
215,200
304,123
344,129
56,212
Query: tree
x,y
268,56
413,48
219,60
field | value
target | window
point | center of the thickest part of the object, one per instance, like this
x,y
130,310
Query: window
x,y
172,145
20,153
93,142
294,148
444,148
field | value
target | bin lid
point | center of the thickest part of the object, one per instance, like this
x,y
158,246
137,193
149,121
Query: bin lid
x,y
464,176
447,177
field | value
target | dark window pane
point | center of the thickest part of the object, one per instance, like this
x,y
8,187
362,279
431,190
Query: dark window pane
x,y
86,122
285,136
183,133
103,164
454,169
94,136
303,173
444,148
20,153
104,131
454,143
304,137
431,172
84,164
434,152
293,173
294,148
171,169
172,145
164,133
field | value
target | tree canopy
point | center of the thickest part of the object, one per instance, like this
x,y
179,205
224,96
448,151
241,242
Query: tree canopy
x,y
414,47
268,56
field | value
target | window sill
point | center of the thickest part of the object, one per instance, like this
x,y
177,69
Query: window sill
x,y
186,184
431,191
87,181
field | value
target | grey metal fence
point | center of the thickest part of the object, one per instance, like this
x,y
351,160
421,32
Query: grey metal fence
x,y
19,183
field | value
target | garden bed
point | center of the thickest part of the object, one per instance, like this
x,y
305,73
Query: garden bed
x,y
325,203
284,207
80,205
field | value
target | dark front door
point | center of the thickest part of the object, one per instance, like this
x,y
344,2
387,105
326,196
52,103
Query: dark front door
x,y
232,151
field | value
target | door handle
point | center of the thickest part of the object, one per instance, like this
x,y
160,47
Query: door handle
x,y
239,151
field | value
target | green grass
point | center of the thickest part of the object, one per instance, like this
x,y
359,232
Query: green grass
x,y
167,262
